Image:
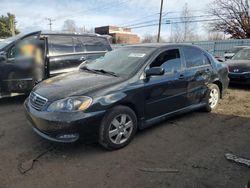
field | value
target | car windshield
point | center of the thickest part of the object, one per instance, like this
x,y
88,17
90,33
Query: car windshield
x,y
242,55
121,62
235,50
8,41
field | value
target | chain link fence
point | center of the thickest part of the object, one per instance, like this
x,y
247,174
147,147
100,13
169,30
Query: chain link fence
x,y
216,48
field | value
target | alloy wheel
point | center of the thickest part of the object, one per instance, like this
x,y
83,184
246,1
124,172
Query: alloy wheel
x,y
120,129
213,97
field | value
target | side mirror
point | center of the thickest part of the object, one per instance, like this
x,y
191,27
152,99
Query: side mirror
x,y
154,71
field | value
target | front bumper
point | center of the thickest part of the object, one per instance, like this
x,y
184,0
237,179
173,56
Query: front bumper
x,y
240,78
64,127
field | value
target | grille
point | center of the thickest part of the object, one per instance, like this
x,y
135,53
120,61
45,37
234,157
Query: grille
x,y
238,70
37,101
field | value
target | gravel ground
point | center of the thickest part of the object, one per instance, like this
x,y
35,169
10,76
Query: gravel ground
x,y
194,144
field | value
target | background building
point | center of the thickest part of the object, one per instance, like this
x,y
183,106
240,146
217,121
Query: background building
x,y
119,35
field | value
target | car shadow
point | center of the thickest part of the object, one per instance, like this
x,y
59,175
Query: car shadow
x,y
13,100
184,121
239,86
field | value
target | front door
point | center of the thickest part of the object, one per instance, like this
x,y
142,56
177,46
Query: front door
x,y
167,93
17,72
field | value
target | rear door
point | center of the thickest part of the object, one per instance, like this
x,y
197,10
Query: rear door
x,y
166,93
67,52
17,72
198,73
63,56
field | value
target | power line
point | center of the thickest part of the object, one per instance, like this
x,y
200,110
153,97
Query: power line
x,y
105,7
153,15
192,21
138,19
169,19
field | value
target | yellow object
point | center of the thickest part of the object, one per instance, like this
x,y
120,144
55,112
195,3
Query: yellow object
x,y
85,104
27,50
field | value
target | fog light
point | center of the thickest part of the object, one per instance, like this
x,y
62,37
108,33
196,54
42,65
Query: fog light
x,y
68,136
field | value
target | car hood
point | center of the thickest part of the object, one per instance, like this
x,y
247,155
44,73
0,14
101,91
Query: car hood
x,y
74,84
240,65
239,62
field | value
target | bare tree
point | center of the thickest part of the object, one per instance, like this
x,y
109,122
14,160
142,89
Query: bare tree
x,y
184,30
215,35
151,39
177,35
70,26
233,17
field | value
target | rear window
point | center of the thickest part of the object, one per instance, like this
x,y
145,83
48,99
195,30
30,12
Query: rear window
x,y
194,57
61,45
242,55
96,44
74,44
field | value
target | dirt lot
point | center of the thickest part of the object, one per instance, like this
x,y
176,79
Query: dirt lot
x,y
194,144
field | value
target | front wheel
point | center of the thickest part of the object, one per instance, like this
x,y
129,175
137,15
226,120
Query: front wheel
x,y
118,128
212,98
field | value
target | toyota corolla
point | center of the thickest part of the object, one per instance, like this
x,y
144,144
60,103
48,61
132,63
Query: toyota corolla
x,y
128,89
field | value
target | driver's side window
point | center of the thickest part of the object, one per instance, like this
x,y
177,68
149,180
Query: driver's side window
x,y
169,60
23,48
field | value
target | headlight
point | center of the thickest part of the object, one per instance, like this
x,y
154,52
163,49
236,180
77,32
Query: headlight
x,y
70,104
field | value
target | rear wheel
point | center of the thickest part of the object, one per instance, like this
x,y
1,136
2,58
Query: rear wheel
x,y
118,128
212,98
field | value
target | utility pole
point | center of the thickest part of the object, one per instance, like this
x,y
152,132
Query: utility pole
x,y
50,23
159,29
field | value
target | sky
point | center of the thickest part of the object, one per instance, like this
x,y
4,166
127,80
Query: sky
x,y
31,14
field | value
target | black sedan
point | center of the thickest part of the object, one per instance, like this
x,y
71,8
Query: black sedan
x,y
239,67
128,89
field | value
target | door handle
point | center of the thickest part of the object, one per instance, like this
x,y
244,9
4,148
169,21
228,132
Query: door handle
x,y
181,76
82,58
207,70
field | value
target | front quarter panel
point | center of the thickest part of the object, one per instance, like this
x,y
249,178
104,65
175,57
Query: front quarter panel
x,y
127,94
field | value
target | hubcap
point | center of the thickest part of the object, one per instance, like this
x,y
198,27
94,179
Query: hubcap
x,y
120,129
213,98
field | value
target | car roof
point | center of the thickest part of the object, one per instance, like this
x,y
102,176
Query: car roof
x,y
246,47
162,45
72,34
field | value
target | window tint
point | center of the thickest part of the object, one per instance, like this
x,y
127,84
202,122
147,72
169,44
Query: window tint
x,y
96,44
24,48
60,45
169,60
194,57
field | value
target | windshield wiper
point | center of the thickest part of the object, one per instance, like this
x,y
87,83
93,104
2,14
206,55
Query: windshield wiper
x,y
87,69
106,72
99,71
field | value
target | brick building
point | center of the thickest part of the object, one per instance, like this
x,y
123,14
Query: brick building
x,y
119,35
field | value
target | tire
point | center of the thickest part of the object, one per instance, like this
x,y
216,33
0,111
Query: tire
x,y
118,128
212,97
